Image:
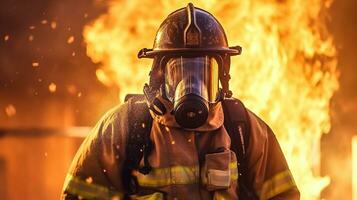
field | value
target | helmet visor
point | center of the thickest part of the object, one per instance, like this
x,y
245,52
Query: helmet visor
x,y
192,75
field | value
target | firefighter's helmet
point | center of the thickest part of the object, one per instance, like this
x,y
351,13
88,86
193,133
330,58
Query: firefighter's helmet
x,y
190,31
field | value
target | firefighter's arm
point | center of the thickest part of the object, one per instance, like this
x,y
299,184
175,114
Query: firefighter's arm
x,y
268,170
94,172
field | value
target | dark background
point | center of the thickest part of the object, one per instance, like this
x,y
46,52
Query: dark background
x,y
78,92
80,98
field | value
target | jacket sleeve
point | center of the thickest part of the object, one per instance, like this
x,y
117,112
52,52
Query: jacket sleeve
x,y
268,170
94,172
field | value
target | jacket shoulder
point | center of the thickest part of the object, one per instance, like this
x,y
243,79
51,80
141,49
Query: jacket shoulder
x,y
100,155
258,125
115,114
113,122
109,132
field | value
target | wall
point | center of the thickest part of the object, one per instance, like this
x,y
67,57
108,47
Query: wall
x,y
33,163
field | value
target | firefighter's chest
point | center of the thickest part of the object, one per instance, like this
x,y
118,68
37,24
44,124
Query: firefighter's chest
x,y
189,162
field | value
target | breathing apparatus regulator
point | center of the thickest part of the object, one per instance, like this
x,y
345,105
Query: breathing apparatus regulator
x,y
191,59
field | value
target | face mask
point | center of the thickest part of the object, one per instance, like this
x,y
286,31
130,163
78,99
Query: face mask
x,y
191,84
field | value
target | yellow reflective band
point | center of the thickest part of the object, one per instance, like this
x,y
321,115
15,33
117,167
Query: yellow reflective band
x,y
179,175
155,196
234,170
86,190
280,183
169,176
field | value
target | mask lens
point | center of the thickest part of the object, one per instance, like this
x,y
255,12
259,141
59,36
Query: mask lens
x,y
192,75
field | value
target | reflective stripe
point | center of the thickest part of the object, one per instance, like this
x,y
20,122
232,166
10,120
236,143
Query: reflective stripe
x,y
222,195
178,175
169,176
280,183
84,189
155,196
234,170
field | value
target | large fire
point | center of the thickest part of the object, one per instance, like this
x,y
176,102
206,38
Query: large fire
x,y
287,73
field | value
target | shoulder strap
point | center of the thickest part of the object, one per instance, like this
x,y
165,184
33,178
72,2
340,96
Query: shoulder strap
x,y
138,143
237,124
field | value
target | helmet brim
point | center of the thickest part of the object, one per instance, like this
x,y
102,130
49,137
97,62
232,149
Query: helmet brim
x,y
151,53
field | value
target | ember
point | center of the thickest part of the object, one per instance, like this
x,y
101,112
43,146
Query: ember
x,y
35,64
53,25
70,40
52,87
6,38
10,110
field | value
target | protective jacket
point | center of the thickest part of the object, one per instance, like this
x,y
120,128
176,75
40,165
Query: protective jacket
x,y
186,164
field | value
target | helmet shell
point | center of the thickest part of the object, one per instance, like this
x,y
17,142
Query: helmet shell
x,y
171,32
190,31
173,35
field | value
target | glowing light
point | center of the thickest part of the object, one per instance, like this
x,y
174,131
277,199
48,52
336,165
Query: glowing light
x,y
53,25
287,73
102,77
44,21
35,64
10,110
52,87
31,38
89,180
70,40
115,198
6,38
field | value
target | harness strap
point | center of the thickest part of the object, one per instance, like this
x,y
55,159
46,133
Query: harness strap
x,y
237,124
139,144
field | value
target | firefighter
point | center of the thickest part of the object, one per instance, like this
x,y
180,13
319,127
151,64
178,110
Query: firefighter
x,y
185,138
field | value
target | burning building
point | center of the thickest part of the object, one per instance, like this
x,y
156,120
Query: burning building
x,y
288,74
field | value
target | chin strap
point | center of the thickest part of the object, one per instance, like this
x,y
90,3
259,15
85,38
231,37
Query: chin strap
x,y
224,78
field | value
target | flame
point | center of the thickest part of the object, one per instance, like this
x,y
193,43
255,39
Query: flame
x,y
354,166
287,73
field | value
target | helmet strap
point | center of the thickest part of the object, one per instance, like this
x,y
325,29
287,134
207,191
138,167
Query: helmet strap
x,y
224,77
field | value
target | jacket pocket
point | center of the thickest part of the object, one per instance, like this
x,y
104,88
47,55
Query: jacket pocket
x,y
216,170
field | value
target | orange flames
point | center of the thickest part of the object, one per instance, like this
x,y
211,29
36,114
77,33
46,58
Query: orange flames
x,y
287,73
